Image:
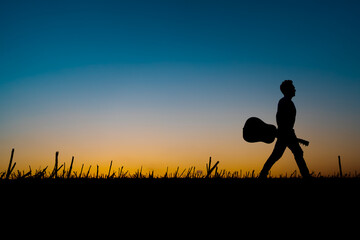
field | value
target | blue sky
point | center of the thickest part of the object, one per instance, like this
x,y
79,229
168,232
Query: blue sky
x,y
193,60
42,36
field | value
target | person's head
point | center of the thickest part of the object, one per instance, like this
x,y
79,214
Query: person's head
x,y
287,88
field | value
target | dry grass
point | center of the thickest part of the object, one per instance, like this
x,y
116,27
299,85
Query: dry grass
x,y
212,172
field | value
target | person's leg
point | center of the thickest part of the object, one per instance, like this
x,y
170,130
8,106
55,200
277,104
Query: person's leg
x,y
275,155
299,158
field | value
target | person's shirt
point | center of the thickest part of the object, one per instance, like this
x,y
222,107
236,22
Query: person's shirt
x,y
286,114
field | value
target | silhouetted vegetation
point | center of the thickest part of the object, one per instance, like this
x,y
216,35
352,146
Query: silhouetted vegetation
x,y
60,173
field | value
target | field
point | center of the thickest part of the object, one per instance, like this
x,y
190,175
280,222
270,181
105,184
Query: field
x,y
44,196
59,172
213,175
186,189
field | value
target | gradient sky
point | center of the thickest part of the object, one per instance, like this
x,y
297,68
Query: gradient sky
x,y
169,83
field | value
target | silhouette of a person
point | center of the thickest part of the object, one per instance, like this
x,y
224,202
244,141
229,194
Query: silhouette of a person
x,y
285,119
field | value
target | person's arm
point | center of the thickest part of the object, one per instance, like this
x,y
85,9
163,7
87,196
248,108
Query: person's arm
x,y
283,117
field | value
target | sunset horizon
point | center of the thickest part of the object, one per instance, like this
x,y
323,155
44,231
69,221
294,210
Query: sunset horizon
x,y
159,85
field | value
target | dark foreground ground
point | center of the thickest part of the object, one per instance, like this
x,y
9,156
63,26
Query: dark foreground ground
x,y
170,207
290,194
195,180
323,182
194,187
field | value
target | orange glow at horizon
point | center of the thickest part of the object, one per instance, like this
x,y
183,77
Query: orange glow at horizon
x,y
154,144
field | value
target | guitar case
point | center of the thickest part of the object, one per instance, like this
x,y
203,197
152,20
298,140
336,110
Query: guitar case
x,y
256,130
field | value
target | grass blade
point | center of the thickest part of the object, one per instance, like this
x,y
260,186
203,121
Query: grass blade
x,y
10,168
69,173
109,169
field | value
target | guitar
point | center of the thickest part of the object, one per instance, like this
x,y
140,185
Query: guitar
x,y
256,130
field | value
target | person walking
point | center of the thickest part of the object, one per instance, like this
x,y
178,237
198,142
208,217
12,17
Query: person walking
x,y
285,119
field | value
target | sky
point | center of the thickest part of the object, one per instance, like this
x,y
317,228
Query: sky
x,y
159,84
